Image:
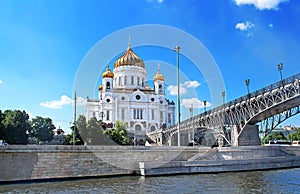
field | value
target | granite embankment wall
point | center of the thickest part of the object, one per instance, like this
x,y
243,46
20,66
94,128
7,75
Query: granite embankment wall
x,y
228,160
34,162
37,162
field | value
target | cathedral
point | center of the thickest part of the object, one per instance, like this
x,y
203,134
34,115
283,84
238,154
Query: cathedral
x,y
124,95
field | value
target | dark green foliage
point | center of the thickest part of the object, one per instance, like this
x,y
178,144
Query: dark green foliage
x,y
42,129
14,126
295,136
276,135
119,134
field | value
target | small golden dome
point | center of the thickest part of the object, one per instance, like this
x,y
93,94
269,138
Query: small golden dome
x,y
100,87
147,87
129,58
159,76
108,73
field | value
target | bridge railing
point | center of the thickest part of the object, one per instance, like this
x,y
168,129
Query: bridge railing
x,y
264,90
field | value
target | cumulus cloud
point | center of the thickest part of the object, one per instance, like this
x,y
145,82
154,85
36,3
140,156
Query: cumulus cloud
x,y
261,4
64,100
80,101
1,81
56,104
195,103
173,90
244,26
191,84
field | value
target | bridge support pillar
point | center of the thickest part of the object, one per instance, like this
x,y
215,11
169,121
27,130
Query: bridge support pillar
x,y
248,137
234,136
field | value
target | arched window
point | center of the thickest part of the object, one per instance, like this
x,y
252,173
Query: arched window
x,y
160,88
108,85
138,128
152,128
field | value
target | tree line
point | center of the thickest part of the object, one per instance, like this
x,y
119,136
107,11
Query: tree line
x,y
94,132
17,128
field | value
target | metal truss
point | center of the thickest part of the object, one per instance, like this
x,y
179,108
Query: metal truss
x,y
270,105
267,125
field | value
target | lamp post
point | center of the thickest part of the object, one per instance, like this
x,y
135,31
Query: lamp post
x,y
204,102
74,132
192,120
223,96
177,50
280,67
247,82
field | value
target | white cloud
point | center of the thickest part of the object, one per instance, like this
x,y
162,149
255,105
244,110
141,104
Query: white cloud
x,y
160,1
64,100
56,104
191,84
244,26
195,103
80,101
173,90
1,81
271,25
261,4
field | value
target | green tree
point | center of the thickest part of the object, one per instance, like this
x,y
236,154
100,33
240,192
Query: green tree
x,y
69,137
276,135
14,126
119,134
42,128
295,136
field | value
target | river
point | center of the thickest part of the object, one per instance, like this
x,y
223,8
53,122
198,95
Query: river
x,y
273,181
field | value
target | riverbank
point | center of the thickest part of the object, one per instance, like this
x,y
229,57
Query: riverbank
x,y
37,162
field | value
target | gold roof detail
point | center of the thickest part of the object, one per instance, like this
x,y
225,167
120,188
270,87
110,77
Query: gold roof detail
x,y
147,88
108,73
100,87
129,58
158,75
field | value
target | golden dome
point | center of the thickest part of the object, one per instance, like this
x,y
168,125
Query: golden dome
x,y
100,87
129,58
147,87
159,76
108,73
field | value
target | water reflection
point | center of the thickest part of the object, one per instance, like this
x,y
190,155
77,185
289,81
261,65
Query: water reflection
x,y
277,181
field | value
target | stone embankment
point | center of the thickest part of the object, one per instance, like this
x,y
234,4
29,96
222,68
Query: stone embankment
x,y
35,162
20,163
216,160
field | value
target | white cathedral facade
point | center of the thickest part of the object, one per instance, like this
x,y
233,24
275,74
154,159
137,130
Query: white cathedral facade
x,y
124,95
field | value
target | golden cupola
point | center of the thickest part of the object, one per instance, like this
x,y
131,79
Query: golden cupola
x,y
108,73
129,58
159,76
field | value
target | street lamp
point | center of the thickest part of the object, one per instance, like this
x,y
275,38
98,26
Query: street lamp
x,y
192,120
204,102
247,82
177,50
280,67
223,96
74,132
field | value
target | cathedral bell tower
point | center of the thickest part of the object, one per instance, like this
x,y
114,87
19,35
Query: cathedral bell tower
x,y
159,82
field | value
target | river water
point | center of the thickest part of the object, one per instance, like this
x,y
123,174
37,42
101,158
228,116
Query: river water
x,y
274,181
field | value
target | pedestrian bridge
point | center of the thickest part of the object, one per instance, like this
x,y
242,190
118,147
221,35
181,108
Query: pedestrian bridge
x,y
236,122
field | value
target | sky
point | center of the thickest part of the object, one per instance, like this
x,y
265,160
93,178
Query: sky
x,y
44,46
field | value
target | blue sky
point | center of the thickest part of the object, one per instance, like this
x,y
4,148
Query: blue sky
x,y
43,43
